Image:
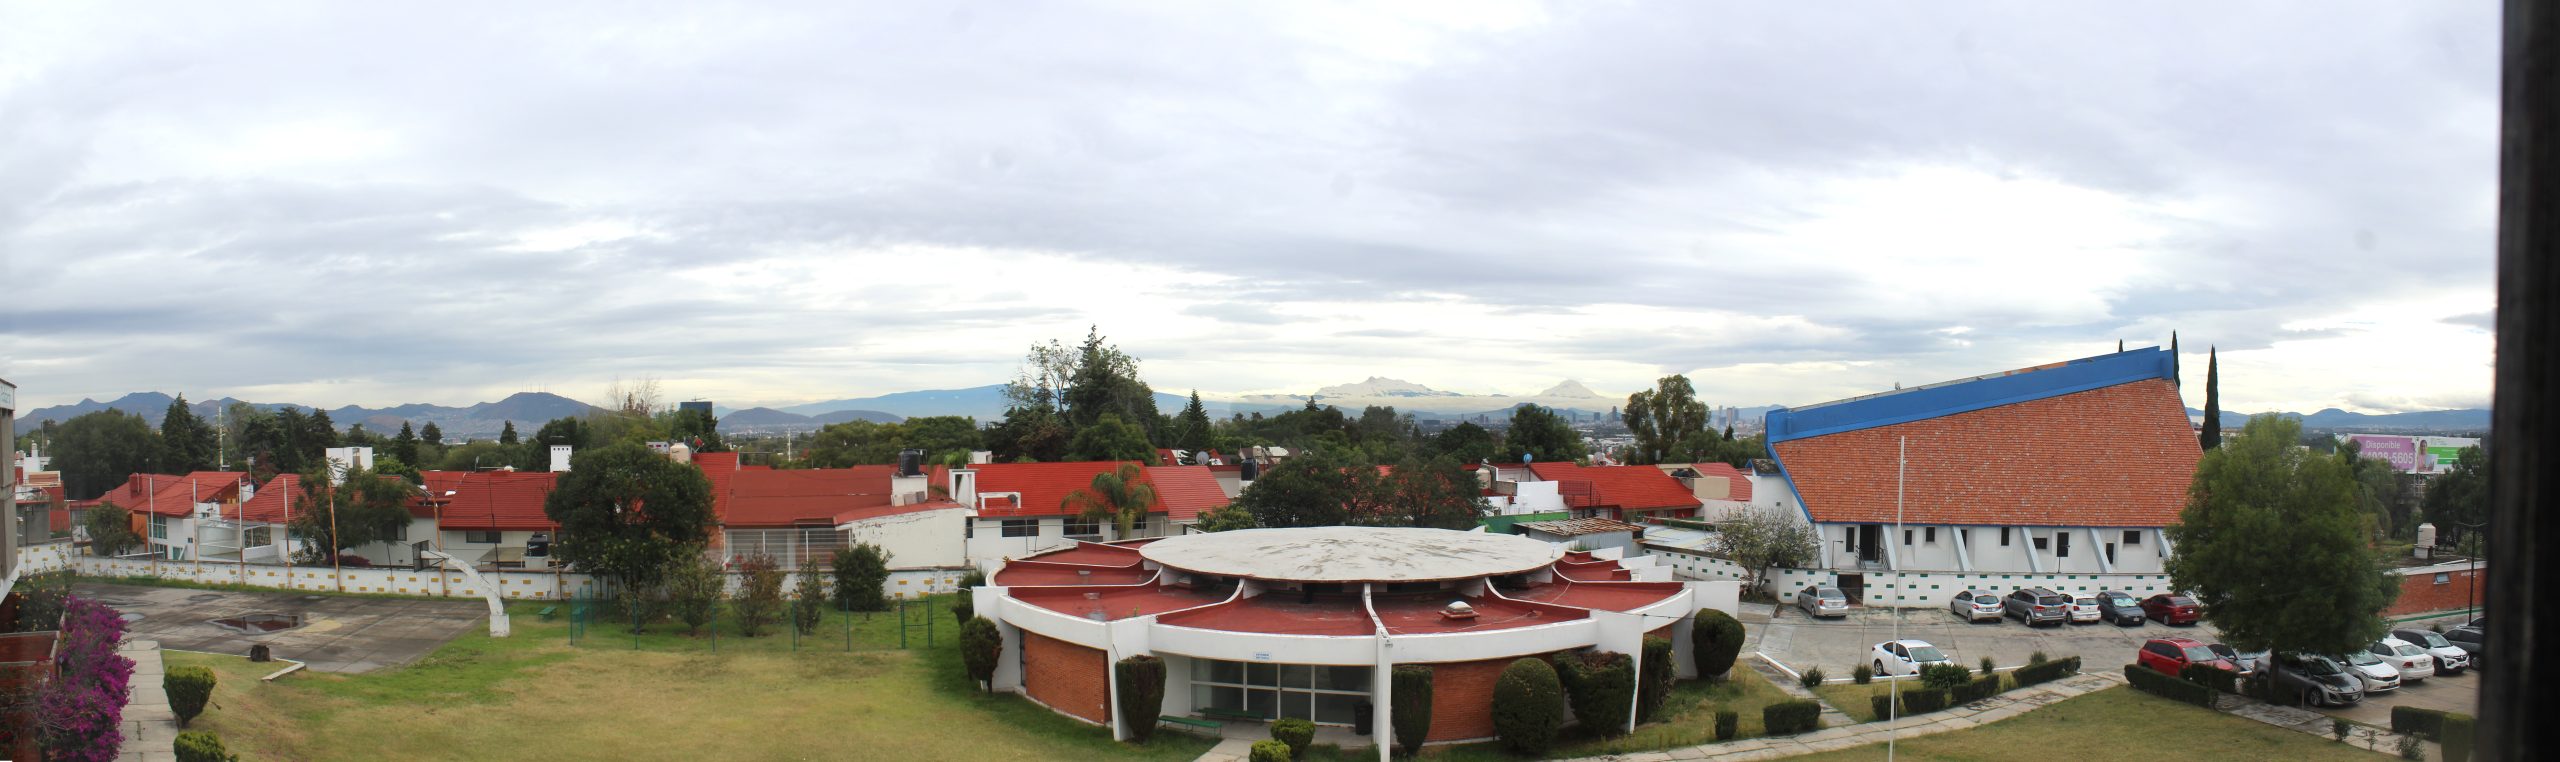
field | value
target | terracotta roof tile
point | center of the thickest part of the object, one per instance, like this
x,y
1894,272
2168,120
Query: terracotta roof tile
x,y
774,499
492,500
1632,488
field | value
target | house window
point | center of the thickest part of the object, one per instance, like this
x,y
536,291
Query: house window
x,y
2004,537
1083,529
1928,534
2443,579
1021,527
159,527
968,530
2061,545
2132,537
1325,694
481,538
1906,537
2039,541
258,537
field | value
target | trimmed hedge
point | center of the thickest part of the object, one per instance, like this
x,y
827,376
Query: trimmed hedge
x,y
1728,724
2262,687
188,688
2151,681
1601,686
1411,715
1914,701
1943,676
1269,751
2457,737
2419,720
2219,679
201,746
1528,706
1653,690
1715,640
1881,704
1787,718
1986,686
981,647
1299,734
2046,671
1141,693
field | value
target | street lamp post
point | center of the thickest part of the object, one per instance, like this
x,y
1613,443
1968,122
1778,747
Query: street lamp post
x,y
2472,597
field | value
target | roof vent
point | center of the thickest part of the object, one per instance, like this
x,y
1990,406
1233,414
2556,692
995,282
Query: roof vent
x,y
1458,610
1084,574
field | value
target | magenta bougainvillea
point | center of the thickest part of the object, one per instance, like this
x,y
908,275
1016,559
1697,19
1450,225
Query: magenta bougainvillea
x,y
80,709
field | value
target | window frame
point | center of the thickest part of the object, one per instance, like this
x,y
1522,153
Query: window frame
x,y
1011,528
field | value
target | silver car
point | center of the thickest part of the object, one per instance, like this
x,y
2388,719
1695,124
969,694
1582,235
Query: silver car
x,y
1819,601
1975,606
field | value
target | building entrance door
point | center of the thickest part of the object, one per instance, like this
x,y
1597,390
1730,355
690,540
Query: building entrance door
x,y
1870,542
1854,586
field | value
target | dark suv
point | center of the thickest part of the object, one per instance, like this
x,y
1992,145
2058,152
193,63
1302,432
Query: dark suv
x,y
2036,605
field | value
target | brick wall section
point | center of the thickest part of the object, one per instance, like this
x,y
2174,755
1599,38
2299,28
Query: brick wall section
x,y
1462,699
1069,678
1663,632
2419,593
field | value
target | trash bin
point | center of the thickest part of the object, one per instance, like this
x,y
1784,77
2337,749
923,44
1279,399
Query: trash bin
x,y
259,653
1367,714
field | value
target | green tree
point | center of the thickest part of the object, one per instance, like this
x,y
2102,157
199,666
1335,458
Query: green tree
x,y
941,436
560,431
695,587
759,596
1110,438
1667,421
186,441
1225,518
1757,539
2209,434
405,445
1312,490
1467,443
981,649
1542,435
430,434
2460,497
1106,382
854,443
1030,433
1436,493
369,507
97,451
808,595
2325,592
862,577
1192,430
111,530
507,435
628,515
1121,496
698,429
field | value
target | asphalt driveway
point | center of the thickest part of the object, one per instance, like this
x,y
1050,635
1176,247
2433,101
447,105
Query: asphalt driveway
x,y
338,634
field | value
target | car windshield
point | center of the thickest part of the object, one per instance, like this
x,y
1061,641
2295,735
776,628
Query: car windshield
x,y
2315,665
2181,601
2050,600
2431,640
2222,650
1926,653
2084,601
2408,650
2201,653
2363,659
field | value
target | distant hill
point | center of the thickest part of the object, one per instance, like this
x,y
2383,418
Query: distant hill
x,y
769,419
529,410
2425,421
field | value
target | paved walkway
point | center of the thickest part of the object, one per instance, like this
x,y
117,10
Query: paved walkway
x,y
1229,750
2307,721
150,727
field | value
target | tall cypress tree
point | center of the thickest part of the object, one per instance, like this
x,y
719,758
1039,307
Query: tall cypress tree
x,y
186,442
507,436
2211,435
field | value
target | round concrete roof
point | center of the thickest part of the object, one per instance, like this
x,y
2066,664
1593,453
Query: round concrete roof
x,y
1351,554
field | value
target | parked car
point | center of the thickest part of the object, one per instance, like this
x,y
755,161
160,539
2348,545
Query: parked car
x,y
2036,605
1905,657
2171,608
2170,656
2378,676
2471,638
1823,601
2450,659
2119,608
2084,609
2319,680
2415,663
1974,606
2249,662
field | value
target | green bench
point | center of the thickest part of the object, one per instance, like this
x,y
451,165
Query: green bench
x,y
546,612
1231,715
1209,725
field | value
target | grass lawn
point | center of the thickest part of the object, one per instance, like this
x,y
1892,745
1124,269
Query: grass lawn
x,y
2118,723
535,696
1857,700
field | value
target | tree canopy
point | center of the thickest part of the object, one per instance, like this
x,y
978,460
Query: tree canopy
x,y
97,451
2272,544
629,514
1121,496
1325,489
186,441
2460,496
1110,438
1667,421
368,507
1542,435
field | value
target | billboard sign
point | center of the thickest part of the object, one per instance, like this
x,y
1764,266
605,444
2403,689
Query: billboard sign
x,y
2439,454
2400,452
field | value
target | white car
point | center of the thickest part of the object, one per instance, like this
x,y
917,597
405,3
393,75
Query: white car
x,y
2084,608
2415,663
1905,657
2450,659
2369,669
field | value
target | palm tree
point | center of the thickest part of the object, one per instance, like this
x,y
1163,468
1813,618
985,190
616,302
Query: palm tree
x,y
1118,495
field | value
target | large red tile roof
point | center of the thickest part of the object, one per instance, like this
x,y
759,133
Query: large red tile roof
x,y
276,502
171,495
1187,491
2119,455
1045,487
775,499
492,500
1632,488
1741,482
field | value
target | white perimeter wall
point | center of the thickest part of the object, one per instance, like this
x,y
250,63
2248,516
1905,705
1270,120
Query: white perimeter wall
x,y
525,585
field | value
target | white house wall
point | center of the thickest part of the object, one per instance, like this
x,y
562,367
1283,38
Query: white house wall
x,y
921,540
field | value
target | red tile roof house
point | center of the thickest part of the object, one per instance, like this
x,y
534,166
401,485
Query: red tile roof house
x,y
490,519
166,508
1020,508
791,514
1624,493
257,527
1721,489
2061,475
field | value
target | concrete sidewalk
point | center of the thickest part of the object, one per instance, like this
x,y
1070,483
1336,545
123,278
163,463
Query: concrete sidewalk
x,y
150,726
1837,737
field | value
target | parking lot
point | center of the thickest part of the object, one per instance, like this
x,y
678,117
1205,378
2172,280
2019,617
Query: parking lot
x,y
1840,645
335,634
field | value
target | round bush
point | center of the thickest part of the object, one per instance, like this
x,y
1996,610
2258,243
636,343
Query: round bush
x,y
1528,707
1715,640
188,688
1601,686
1811,679
201,746
1297,733
981,646
1862,675
1269,751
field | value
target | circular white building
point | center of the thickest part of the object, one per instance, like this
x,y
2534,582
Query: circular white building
x,y
1307,623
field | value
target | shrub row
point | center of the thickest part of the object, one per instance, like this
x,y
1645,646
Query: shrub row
x,y
2151,681
1986,686
1298,733
1787,718
2216,678
1601,687
1914,701
2419,720
2457,738
2046,671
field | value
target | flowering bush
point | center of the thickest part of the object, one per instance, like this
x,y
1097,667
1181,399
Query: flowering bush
x,y
81,707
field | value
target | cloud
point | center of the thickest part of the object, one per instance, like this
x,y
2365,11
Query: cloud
x,y
819,200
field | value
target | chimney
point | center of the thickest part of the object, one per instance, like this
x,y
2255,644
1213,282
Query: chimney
x,y
560,458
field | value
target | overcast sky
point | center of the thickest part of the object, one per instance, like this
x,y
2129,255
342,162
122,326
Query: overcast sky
x,y
340,203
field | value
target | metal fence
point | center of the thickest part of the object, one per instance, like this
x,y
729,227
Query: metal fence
x,y
607,622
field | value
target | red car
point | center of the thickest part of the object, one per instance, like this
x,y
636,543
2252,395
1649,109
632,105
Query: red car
x,y
2171,608
2170,655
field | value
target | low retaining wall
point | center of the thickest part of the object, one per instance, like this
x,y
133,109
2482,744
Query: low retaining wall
x,y
513,585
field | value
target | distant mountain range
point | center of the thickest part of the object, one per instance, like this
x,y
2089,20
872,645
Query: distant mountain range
x,y
529,410
2469,420
769,419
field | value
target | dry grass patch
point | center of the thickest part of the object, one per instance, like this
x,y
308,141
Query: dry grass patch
x,y
2116,724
